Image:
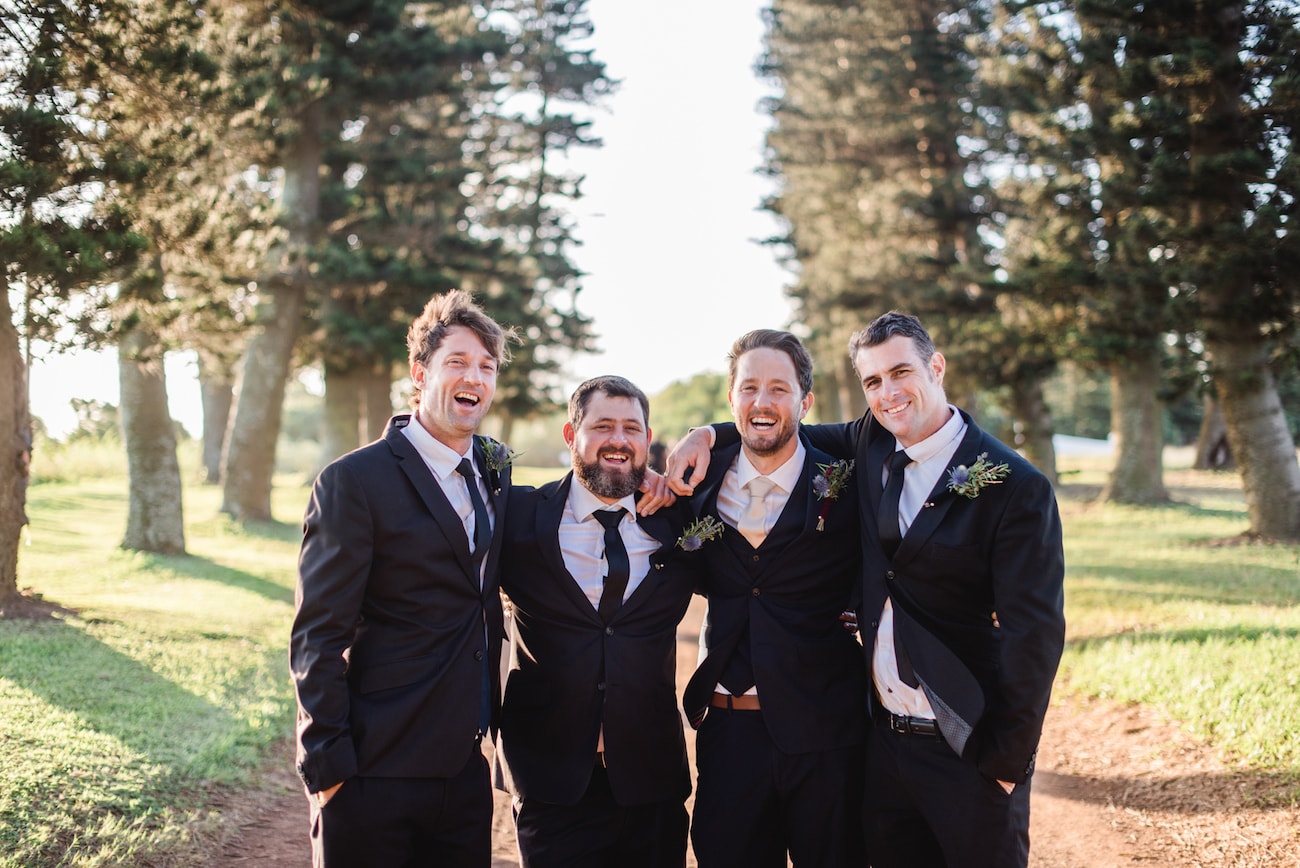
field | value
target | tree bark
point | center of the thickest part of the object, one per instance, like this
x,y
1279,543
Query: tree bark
x,y
155,520
217,391
15,457
1212,449
1258,436
259,396
249,465
341,414
1035,417
377,400
1138,425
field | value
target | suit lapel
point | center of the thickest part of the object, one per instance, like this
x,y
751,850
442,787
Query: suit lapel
x,y
664,531
498,486
940,499
435,500
550,512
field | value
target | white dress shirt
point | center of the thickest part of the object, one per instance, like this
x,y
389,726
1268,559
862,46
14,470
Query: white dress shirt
x,y
442,462
930,459
582,542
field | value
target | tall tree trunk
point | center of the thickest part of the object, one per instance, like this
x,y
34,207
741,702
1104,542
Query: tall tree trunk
x,y
377,400
341,415
1137,422
1035,417
1212,449
827,388
16,454
1258,435
1234,340
259,396
853,403
249,464
155,520
217,392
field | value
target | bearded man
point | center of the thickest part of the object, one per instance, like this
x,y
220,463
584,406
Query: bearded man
x,y
591,744
778,697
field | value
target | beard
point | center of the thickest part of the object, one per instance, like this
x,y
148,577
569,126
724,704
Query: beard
x,y
608,482
768,442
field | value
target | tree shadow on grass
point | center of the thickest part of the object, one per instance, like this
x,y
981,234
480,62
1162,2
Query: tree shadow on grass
x,y
279,531
89,732
1186,573
1231,635
197,567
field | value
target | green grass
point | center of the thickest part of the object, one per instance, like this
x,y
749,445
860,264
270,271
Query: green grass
x,y
125,720
166,676
1168,607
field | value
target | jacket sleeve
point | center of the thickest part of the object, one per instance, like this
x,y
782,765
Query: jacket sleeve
x,y
1028,572
333,567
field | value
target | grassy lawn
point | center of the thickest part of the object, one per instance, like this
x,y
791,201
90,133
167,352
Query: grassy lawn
x,y
164,680
1166,608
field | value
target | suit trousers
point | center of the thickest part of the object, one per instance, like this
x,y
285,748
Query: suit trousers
x,y
754,803
407,822
597,832
926,807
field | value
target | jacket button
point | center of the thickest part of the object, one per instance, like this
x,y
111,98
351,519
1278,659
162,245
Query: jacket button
x,y
889,574
478,655
600,686
609,631
756,592
755,558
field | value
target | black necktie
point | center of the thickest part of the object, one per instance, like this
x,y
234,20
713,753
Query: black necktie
x,y
890,537
482,525
616,557
887,515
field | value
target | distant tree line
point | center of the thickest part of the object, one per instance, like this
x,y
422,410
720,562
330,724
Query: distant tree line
x,y
1104,183
272,185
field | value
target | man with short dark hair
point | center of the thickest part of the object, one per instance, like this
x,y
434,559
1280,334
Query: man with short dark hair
x,y
397,627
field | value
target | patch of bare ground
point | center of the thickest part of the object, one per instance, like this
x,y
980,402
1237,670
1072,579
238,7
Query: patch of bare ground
x,y
1117,785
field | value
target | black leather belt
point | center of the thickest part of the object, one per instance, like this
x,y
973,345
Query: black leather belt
x,y
902,723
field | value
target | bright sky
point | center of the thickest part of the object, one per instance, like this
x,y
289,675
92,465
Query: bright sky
x,y
669,221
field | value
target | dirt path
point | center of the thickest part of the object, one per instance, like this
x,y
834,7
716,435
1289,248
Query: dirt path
x,y
1115,785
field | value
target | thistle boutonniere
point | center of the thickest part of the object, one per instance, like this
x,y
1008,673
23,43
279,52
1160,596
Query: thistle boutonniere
x,y
970,481
698,532
499,456
829,484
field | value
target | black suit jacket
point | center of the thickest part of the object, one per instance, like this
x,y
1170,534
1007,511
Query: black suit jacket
x,y
779,606
571,672
388,639
962,563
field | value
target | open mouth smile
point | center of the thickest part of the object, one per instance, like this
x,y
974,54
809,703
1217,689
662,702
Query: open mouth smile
x,y
467,399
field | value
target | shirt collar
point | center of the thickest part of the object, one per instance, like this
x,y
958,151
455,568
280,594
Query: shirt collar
x,y
931,446
441,458
786,476
583,503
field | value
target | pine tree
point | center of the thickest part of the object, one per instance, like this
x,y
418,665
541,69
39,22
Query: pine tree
x,y
59,234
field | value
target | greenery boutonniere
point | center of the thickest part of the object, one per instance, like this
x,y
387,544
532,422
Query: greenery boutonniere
x,y
499,456
970,481
698,532
829,484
